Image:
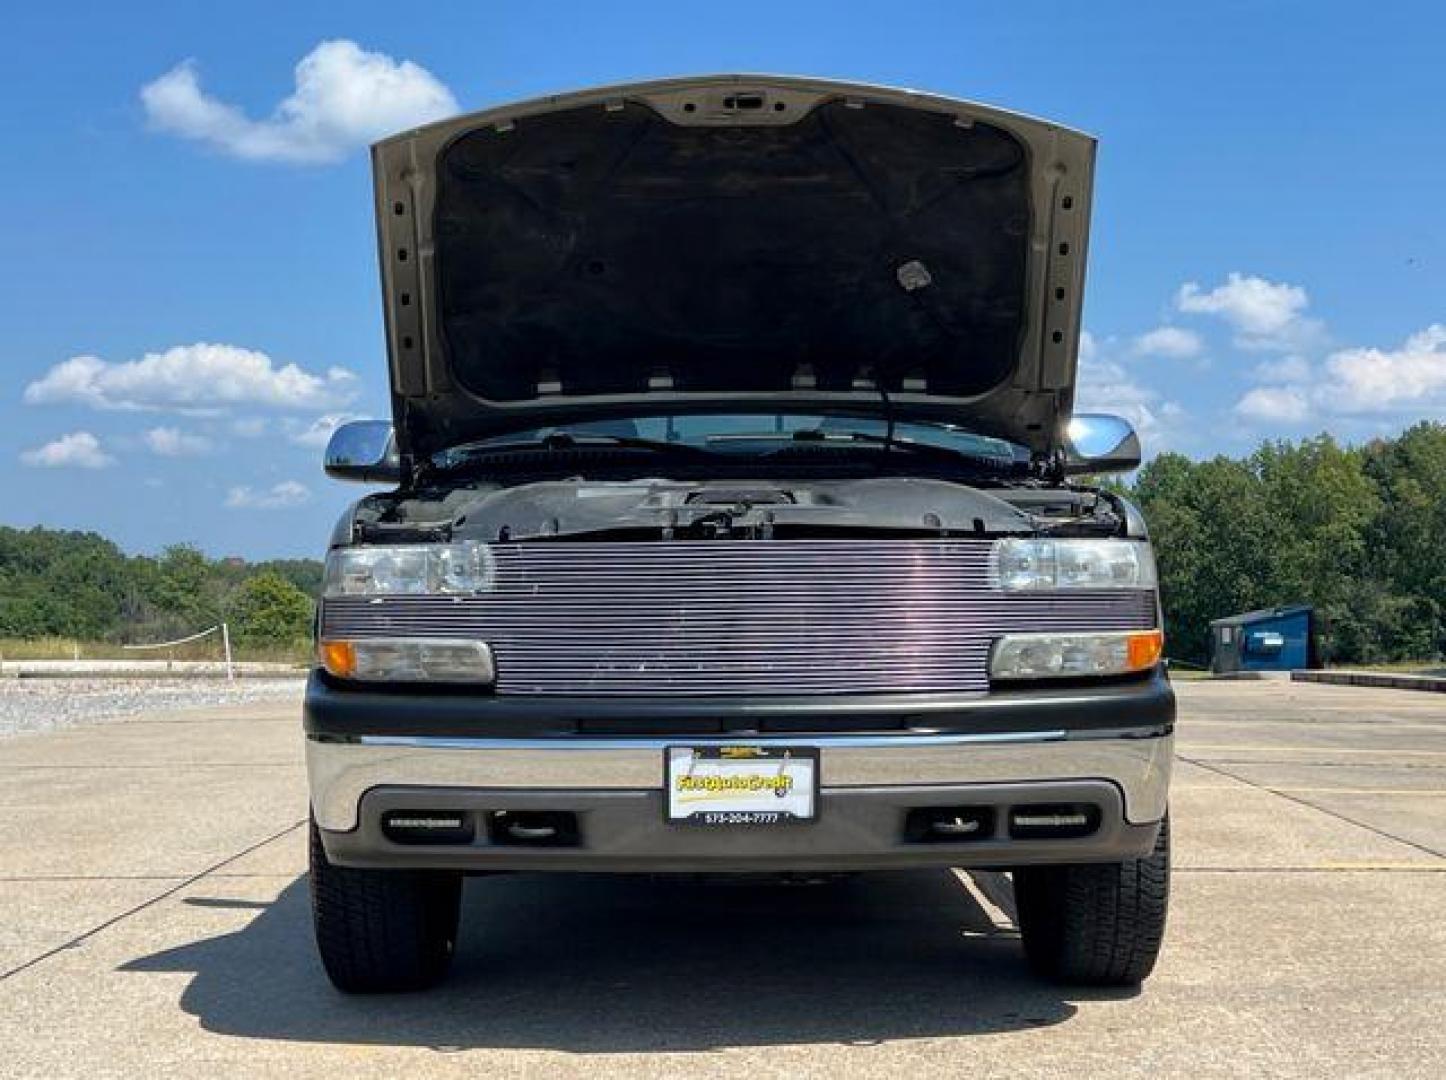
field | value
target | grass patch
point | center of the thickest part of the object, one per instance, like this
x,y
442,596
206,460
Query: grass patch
x,y
58,648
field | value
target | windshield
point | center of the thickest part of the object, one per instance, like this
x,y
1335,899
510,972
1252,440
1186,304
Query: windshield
x,y
755,433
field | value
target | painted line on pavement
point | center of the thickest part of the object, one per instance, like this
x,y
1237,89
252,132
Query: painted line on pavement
x,y
1323,810
81,938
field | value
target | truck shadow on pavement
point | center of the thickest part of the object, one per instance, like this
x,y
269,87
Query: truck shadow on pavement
x,y
633,964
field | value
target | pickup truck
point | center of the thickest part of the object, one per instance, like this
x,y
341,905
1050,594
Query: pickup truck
x,y
737,519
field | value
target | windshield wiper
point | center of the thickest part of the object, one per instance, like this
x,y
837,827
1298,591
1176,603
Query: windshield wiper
x,y
994,465
566,440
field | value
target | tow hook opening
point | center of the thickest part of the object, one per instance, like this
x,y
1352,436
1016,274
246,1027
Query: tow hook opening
x,y
745,102
532,828
948,824
1053,821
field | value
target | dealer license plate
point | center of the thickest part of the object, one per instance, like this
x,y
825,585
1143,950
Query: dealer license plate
x,y
741,785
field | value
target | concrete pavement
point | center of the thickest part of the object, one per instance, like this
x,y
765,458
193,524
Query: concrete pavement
x,y
153,919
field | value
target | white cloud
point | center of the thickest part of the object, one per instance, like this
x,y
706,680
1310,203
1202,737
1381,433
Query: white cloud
x,y
250,427
1264,314
190,378
318,432
78,450
1251,304
1354,382
1169,342
1382,380
1287,369
1274,404
280,496
344,98
173,442
1105,385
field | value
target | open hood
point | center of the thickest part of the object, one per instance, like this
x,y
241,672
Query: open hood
x,y
732,243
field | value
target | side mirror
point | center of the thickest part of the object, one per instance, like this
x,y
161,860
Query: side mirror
x,y
364,450
1097,443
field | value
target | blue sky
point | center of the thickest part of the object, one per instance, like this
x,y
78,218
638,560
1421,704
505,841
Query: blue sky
x,y
1266,258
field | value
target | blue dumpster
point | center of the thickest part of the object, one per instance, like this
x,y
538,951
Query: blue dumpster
x,y
1273,639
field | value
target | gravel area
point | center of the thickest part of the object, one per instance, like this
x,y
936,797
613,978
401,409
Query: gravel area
x,y
34,705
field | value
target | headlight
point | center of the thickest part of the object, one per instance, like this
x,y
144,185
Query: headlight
x,y
1043,563
1062,656
408,570
408,660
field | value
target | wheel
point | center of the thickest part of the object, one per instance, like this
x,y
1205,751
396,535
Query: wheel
x,y
1096,925
382,930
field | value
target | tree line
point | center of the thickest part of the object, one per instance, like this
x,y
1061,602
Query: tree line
x,y
1359,532
80,585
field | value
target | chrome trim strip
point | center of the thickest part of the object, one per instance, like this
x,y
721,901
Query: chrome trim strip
x,y
823,742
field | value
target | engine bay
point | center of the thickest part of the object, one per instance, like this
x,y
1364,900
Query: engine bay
x,y
667,509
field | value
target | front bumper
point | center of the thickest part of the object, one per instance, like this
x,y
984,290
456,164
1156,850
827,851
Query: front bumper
x,y
371,752
342,772
858,828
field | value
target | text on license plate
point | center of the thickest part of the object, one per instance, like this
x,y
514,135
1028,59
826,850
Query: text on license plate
x,y
741,785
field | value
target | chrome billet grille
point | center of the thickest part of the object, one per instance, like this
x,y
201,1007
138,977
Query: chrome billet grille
x,y
740,617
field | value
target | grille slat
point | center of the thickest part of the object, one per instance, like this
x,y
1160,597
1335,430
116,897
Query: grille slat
x,y
740,617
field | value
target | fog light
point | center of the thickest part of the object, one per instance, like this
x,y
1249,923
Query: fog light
x,y
408,660
428,827
1062,656
1054,821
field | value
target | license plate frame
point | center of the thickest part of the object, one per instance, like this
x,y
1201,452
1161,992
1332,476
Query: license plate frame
x,y
743,802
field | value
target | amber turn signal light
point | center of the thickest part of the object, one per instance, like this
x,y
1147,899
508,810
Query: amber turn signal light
x,y
338,657
1144,649
1075,655
382,660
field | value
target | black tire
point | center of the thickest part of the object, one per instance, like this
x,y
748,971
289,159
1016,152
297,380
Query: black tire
x,y
1096,925
380,931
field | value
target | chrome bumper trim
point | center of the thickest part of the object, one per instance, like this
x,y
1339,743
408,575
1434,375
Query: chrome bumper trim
x,y
341,772
635,743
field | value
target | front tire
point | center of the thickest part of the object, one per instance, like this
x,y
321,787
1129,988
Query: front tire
x,y
382,930
1096,925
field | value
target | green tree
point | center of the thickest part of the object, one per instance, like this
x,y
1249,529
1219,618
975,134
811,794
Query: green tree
x,y
1406,538
1354,532
1215,539
182,584
80,585
269,610
68,584
1324,505
305,574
